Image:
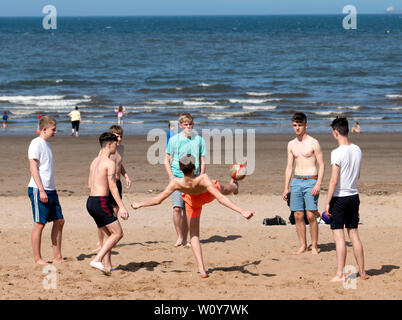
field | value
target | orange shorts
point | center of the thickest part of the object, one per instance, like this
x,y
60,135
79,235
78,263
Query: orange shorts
x,y
194,203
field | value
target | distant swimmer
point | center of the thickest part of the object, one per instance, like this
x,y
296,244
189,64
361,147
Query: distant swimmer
x,y
197,191
5,119
356,128
75,116
120,111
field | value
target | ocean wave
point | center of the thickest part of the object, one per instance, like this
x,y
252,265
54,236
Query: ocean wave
x,y
327,113
350,107
259,94
259,108
394,96
392,108
252,101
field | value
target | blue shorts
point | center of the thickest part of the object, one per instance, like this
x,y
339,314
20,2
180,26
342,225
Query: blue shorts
x,y
301,198
177,200
45,212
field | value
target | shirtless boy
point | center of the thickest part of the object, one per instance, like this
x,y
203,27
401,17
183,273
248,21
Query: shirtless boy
x,y
102,178
120,171
304,151
197,191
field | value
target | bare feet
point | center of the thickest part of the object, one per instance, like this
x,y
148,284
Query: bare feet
x,y
179,242
57,260
364,276
314,250
203,274
302,249
187,245
338,278
40,261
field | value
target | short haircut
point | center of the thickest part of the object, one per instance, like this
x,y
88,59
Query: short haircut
x,y
185,116
187,163
46,122
106,137
299,117
116,129
341,125
76,107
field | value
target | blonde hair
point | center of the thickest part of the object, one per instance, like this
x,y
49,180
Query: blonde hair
x,y
116,129
46,122
185,116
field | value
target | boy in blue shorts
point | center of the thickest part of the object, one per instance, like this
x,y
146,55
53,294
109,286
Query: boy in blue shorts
x,y
342,205
305,153
42,191
181,144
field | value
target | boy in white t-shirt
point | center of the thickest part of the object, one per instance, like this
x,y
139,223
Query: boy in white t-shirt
x,y
42,191
342,204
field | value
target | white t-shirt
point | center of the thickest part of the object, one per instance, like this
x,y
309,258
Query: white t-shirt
x,y
40,149
348,158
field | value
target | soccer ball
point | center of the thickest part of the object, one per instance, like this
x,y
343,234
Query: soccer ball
x,y
238,171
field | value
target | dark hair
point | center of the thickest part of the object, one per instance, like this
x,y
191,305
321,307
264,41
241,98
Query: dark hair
x,y
299,117
76,107
106,137
341,125
187,164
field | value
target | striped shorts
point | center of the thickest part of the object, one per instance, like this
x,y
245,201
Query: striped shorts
x,y
45,212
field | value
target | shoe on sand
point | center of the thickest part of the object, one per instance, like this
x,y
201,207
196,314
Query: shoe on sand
x,y
99,266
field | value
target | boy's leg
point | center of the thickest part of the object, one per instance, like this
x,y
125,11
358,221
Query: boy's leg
x,y
36,242
312,219
56,237
358,251
339,238
100,240
114,233
194,229
301,231
180,224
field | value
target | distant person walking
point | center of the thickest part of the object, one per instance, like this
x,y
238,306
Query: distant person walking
x,y
37,128
5,119
356,128
120,111
75,116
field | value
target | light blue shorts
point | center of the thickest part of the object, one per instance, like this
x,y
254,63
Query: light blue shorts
x,y
300,195
177,200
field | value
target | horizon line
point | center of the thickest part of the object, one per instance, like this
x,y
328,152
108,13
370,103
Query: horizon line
x,y
207,14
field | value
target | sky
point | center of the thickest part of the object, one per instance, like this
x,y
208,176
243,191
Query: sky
x,y
13,8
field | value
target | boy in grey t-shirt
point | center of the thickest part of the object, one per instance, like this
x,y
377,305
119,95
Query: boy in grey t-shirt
x,y
342,204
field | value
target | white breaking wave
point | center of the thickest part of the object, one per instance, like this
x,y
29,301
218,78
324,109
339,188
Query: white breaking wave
x,y
259,94
23,99
350,107
259,108
202,84
50,102
326,113
253,101
392,108
394,96
197,103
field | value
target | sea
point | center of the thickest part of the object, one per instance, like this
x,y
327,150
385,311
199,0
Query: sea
x,y
236,72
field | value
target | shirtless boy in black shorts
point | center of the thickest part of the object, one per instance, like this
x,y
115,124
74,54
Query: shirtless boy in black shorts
x,y
102,178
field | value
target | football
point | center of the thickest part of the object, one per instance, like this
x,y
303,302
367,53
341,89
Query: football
x,y
238,171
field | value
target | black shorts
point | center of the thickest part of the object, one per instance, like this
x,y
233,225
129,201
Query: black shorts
x,y
76,125
345,212
111,199
100,210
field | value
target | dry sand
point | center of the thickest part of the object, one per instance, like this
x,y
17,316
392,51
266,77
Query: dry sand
x,y
246,259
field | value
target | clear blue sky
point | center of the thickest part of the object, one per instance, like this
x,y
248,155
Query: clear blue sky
x,y
190,7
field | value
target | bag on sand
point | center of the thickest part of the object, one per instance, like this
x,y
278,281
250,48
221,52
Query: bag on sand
x,y
277,221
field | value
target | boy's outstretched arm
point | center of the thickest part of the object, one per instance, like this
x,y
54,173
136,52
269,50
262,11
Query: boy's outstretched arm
x,y
157,199
224,200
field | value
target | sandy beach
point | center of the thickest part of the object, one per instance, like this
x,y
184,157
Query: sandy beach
x,y
245,259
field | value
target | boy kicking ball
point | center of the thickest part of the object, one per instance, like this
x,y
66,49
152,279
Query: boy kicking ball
x,y
197,191
102,178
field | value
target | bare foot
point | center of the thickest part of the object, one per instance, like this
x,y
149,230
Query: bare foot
x,y
57,260
187,245
338,279
314,250
302,249
178,243
364,277
203,274
40,261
